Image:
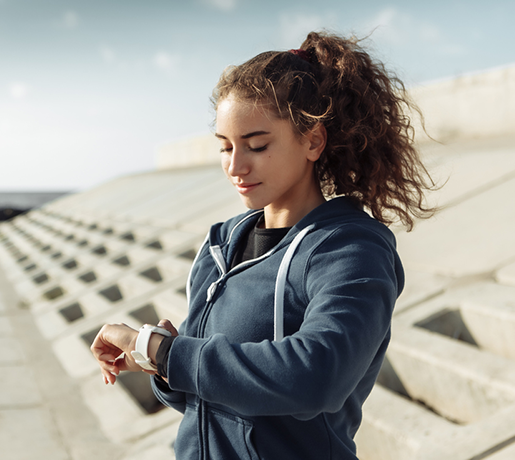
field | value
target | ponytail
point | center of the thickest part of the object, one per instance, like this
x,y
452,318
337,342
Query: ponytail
x,y
370,154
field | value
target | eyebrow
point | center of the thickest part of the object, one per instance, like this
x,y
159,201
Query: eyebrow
x,y
245,136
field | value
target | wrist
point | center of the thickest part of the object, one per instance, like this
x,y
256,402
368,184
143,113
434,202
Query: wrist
x,y
132,341
146,345
153,346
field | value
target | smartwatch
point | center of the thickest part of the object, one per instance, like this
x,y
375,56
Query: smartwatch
x,y
140,354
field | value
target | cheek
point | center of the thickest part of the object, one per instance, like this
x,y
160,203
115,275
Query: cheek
x,y
225,162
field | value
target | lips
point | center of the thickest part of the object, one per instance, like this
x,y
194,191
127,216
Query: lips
x,y
246,187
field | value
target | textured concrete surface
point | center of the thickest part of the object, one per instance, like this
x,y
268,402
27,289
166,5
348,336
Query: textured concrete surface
x,y
446,389
42,412
121,253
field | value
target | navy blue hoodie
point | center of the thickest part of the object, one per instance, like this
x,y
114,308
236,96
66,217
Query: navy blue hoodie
x,y
245,395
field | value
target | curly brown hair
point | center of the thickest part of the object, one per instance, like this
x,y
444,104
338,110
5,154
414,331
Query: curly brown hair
x,y
370,153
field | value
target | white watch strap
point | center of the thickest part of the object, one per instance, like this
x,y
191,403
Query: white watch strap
x,y
140,354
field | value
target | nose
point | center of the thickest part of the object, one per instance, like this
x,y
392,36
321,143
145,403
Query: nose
x,y
238,163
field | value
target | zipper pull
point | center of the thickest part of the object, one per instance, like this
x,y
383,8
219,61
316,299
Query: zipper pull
x,y
211,291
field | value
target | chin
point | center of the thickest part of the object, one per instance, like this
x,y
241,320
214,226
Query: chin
x,y
252,204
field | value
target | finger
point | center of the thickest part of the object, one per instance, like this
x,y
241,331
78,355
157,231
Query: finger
x,y
122,364
166,324
107,357
108,377
98,344
127,363
109,368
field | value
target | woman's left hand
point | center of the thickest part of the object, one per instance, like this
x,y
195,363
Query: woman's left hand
x,y
112,349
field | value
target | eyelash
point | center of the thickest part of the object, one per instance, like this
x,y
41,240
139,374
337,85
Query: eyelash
x,y
260,149
256,150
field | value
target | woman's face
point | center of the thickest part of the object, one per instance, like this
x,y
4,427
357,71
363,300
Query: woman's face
x,y
267,163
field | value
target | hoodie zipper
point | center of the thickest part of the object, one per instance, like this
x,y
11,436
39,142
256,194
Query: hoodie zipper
x,y
217,255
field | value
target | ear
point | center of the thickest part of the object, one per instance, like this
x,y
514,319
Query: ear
x,y
317,139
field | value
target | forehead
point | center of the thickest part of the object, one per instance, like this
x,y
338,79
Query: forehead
x,y
234,111
236,118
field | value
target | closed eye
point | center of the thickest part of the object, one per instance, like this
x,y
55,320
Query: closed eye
x,y
259,149
256,150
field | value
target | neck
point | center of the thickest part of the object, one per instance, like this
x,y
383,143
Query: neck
x,y
276,217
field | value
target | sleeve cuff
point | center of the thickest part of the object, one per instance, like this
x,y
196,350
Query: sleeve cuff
x,y
162,356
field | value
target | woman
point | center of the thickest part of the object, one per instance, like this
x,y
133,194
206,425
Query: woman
x,y
290,304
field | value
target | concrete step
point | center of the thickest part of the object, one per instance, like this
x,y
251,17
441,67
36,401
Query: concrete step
x,y
450,372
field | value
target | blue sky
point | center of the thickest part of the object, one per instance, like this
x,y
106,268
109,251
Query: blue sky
x,y
89,89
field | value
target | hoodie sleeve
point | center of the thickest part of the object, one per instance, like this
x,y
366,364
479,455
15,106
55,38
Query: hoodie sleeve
x,y
350,291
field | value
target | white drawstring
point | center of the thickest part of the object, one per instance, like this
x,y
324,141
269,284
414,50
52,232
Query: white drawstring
x,y
188,282
281,282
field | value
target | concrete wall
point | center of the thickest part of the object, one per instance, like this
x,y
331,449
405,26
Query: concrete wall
x,y
195,151
477,105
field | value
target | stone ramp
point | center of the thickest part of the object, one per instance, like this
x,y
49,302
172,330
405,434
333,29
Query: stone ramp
x,y
42,411
121,253
446,390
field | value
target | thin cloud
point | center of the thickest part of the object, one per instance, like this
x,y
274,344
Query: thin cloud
x,y
18,90
166,62
294,28
70,19
390,25
430,33
400,29
224,5
108,54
